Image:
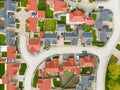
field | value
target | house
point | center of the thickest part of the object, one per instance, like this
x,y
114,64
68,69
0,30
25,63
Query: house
x,y
105,15
98,24
42,34
61,27
103,33
11,53
87,61
60,7
34,45
89,21
8,13
5,79
32,24
87,38
2,60
10,38
86,82
50,38
52,66
72,37
77,16
50,1
32,5
41,14
44,84
11,86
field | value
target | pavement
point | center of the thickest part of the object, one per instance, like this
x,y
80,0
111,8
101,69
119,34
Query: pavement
x,y
103,53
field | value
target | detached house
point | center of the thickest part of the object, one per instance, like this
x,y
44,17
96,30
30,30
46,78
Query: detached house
x,y
60,7
32,5
41,14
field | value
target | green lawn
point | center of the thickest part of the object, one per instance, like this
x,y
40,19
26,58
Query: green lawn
x,y
17,20
91,1
17,26
36,35
41,25
4,54
118,47
2,70
22,69
2,39
68,28
94,35
56,82
94,16
1,4
56,57
48,12
87,28
21,85
67,43
34,84
50,25
85,70
62,21
18,9
41,4
2,87
18,56
23,2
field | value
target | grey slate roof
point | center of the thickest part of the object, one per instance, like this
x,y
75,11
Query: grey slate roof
x,y
50,38
61,27
87,37
9,19
98,24
105,15
10,38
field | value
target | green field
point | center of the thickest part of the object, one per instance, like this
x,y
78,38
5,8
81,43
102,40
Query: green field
x,y
118,47
41,25
62,21
21,85
2,87
57,83
41,4
2,70
23,2
4,54
22,69
50,25
1,4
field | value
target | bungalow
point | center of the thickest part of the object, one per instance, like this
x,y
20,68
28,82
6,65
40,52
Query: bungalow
x,y
41,14
61,27
87,38
34,45
87,61
32,5
44,84
60,7
10,38
77,16
32,24
105,15
52,66
11,53
72,37
50,38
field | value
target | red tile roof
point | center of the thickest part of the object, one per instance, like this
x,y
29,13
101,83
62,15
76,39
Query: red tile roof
x,y
2,60
89,21
5,79
87,61
11,86
78,70
43,74
32,24
12,69
34,45
52,66
32,5
44,84
41,34
11,53
41,14
77,16
49,1
60,6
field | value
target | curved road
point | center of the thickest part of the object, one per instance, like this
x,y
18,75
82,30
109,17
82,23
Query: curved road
x,y
102,53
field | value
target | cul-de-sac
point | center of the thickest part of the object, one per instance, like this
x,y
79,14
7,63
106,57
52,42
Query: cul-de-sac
x,y
59,44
